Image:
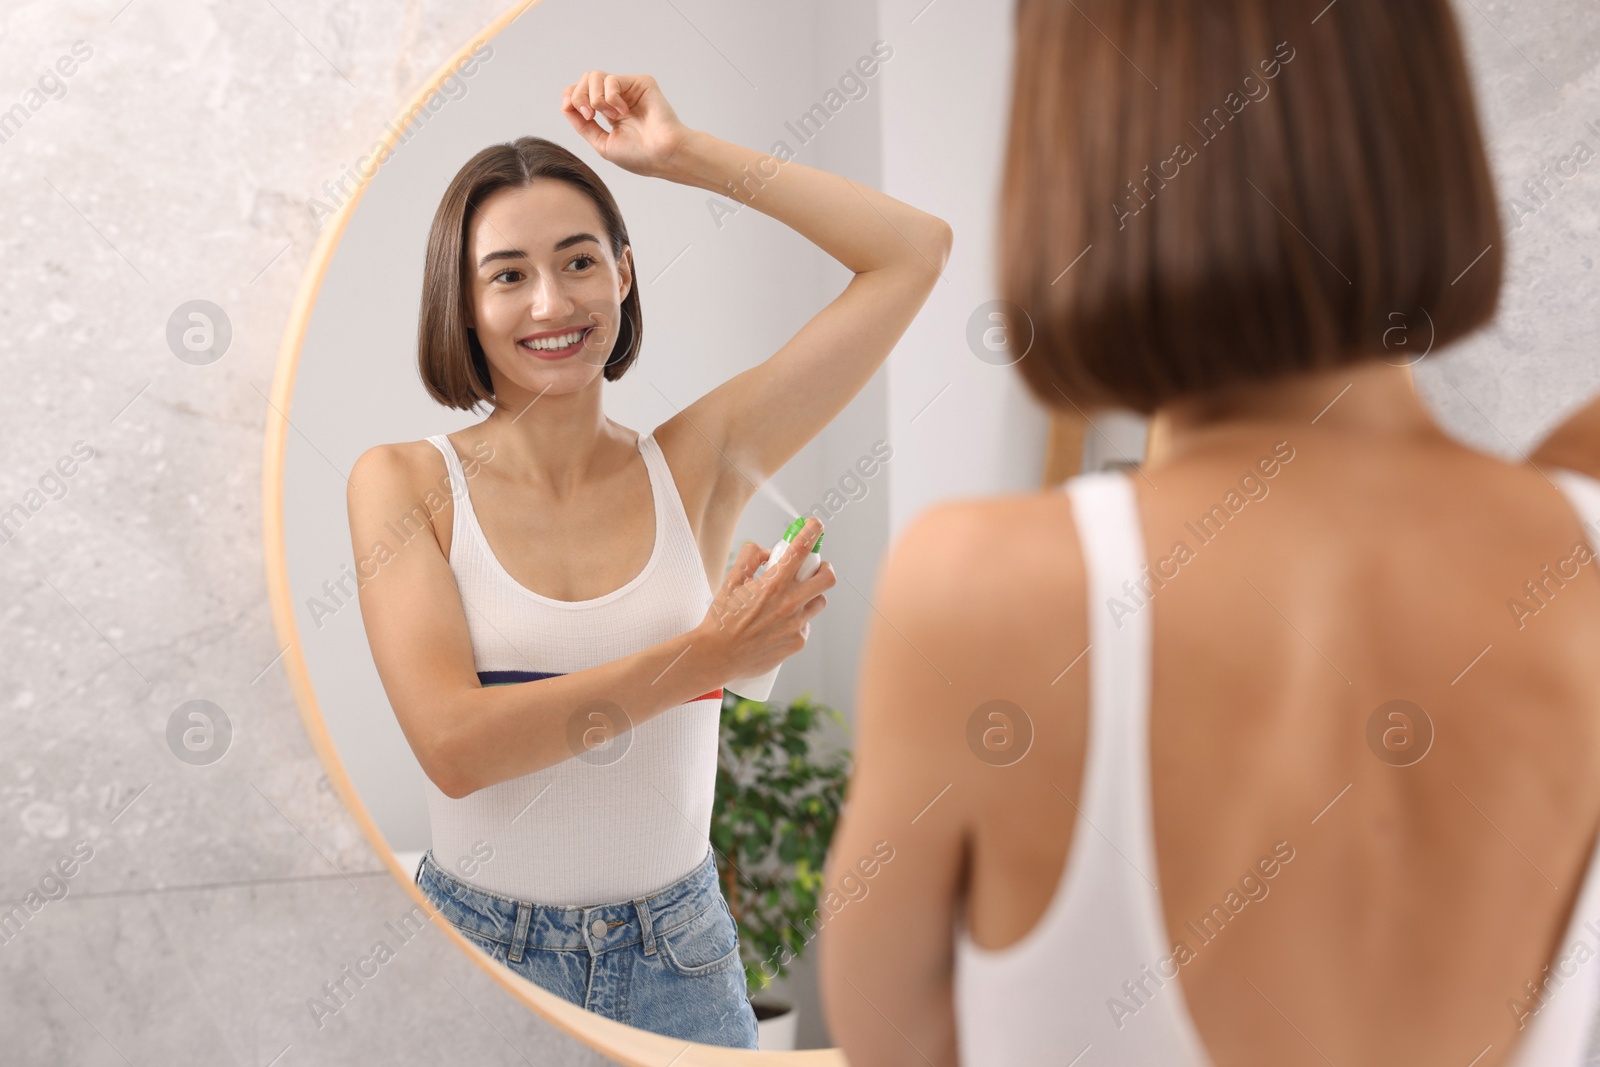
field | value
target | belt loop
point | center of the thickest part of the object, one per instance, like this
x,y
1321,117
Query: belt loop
x,y
644,924
519,937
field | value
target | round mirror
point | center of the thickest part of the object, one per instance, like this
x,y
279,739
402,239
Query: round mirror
x,y
517,878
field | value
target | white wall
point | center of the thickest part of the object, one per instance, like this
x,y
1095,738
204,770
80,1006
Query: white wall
x,y
961,426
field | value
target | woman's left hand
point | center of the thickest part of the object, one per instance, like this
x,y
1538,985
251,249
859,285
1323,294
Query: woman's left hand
x,y
645,135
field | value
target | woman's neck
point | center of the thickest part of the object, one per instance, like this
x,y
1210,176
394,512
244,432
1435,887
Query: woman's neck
x,y
555,442
1372,400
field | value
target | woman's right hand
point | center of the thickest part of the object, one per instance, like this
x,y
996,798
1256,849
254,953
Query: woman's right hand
x,y
646,135
756,622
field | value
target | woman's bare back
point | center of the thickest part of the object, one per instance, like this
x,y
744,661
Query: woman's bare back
x,y
1422,893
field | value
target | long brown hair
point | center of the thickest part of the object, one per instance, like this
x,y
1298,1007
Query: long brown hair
x,y
449,357
1307,180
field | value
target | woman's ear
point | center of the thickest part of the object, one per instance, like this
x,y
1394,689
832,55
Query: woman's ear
x,y
625,271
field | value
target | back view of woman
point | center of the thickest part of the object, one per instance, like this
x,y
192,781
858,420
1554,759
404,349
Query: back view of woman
x,y
1282,748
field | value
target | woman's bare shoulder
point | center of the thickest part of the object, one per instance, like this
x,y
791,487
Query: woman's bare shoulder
x,y
393,480
982,601
1001,560
1575,444
408,465
707,481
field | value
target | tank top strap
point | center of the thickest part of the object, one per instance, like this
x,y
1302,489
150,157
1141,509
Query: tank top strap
x,y
1583,493
665,490
460,501
680,541
1116,780
451,460
1566,1029
1123,889
662,491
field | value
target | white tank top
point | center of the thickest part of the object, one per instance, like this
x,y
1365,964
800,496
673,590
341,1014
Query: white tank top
x,y
631,816
1048,998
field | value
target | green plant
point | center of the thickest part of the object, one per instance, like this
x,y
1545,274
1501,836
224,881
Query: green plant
x,y
774,816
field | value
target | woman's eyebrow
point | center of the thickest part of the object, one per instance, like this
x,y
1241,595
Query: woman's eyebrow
x,y
517,253
577,238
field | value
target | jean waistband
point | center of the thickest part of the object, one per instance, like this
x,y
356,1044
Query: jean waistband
x,y
521,925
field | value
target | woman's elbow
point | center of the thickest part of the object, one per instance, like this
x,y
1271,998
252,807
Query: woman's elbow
x,y
453,785
443,763
946,238
933,245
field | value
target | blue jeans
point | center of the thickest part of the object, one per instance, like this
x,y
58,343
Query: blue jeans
x,y
668,963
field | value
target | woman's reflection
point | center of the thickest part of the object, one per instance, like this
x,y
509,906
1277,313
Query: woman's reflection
x,y
553,650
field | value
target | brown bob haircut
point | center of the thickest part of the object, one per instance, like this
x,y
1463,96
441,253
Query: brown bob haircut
x,y
1301,192
449,357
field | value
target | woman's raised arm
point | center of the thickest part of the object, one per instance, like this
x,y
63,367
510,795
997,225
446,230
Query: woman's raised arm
x,y
760,418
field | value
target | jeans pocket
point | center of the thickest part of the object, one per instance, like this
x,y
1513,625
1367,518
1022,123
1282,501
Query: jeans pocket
x,y
466,909
706,944
480,928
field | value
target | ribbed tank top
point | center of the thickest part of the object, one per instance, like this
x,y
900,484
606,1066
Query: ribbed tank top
x,y
631,816
1049,998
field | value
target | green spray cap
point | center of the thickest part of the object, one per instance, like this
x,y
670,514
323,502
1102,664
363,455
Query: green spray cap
x,y
794,529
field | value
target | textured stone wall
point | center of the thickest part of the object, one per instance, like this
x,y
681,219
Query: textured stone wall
x,y
207,903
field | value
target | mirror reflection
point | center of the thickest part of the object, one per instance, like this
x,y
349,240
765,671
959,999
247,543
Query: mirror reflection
x,y
551,641
573,655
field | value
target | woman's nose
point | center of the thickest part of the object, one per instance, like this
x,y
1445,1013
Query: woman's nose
x,y
551,300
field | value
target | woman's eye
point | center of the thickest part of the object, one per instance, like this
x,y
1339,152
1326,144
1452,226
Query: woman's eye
x,y
512,276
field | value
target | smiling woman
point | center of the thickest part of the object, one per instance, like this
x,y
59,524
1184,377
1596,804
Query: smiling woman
x,y
499,187
560,615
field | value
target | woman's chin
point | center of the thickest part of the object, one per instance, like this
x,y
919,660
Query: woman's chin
x,y
554,377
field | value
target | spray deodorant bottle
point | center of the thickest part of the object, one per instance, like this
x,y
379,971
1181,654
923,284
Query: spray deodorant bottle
x,y
760,687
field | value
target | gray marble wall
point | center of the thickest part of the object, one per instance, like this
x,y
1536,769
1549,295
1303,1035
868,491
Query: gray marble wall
x,y
207,903
1537,69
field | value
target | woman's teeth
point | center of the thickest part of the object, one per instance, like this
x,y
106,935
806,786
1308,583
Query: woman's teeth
x,y
566,340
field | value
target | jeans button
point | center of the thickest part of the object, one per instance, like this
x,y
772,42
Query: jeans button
x,y
598,928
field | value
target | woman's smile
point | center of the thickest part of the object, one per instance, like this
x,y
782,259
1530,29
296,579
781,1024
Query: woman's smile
x,y
545,346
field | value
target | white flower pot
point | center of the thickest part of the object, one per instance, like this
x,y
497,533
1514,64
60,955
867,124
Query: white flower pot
x,y
776,1021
